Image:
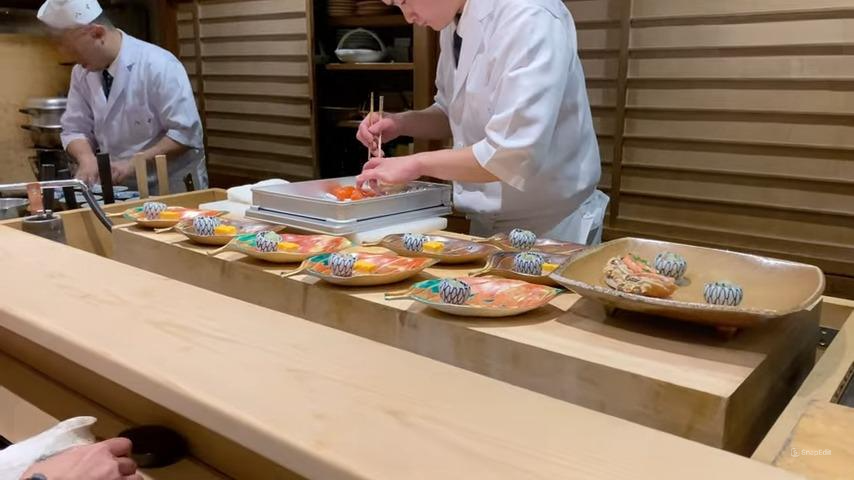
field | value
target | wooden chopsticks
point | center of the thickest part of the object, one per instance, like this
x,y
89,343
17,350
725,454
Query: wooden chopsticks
x,y
370,114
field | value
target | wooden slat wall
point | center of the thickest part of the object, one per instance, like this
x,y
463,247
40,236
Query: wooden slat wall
x,y
251,72
737,129
602,31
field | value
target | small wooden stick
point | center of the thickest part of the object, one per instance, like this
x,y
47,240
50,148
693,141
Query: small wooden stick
x,y
380,145
141,175
370,114
162,175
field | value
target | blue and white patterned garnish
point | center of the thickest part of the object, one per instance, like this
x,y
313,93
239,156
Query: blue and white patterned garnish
x,y
671,265
205,226
723,293
528,263
152,210
414,242
267,241
454,292
342,264
522,239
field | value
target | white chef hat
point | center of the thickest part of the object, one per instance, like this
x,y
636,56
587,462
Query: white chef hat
x,y
64,14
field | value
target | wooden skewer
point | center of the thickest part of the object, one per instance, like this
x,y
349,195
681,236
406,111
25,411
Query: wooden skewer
x,y
380,144
371,114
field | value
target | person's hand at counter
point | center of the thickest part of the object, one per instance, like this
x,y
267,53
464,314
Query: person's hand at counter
x,y
107,460
373,127
428,124
121,170
458,165
87,163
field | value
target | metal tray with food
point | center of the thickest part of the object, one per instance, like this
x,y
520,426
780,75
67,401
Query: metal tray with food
x,y
696,284
316,199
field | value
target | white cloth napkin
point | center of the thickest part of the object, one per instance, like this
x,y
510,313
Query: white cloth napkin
x,y
243,193
16,459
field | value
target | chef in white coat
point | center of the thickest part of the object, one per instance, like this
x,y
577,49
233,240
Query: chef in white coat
x,y
127,97
511,94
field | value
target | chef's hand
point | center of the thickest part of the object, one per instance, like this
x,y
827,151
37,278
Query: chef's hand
x,y
371,128
107,460
87,170
121,170
394,170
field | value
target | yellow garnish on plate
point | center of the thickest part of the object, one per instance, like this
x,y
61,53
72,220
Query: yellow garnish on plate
x,y
288,246
225,230
549,268
169,215
434,247
364,266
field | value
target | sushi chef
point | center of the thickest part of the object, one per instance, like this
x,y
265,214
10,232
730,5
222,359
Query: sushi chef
x,y
511,94
126,97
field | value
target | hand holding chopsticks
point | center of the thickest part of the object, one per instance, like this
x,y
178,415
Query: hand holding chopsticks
x,y
376,128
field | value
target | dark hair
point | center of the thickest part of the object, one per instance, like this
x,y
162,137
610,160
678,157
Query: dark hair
x,y
104,21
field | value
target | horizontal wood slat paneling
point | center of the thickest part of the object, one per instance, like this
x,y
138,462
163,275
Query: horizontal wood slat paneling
x,y
602,32
738,128
251,68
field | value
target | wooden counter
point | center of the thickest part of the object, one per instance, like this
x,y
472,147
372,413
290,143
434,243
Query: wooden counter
x,y
321,402
811,421
674,377
31,403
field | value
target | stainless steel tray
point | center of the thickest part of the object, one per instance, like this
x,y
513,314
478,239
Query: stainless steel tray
x,y
344,227
310,199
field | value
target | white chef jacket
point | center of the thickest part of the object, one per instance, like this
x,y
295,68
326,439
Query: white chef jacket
x,y
518,98
150,97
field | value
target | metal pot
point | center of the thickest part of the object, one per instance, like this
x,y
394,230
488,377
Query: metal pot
x,y
45,111
45,136
13,207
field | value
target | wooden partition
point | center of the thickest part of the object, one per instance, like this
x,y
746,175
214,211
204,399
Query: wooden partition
x,y
729,123
249,62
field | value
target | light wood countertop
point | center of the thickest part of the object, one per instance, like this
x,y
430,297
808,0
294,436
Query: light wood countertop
x,y
324,403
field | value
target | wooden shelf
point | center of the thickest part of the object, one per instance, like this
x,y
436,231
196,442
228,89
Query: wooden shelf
x,y
370,66
349,124
368,21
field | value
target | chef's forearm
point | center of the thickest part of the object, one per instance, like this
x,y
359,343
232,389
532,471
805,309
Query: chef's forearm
x,y
457,165
81,150
166,146
428,124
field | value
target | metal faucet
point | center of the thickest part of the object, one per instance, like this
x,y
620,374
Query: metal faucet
x,y
74,183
